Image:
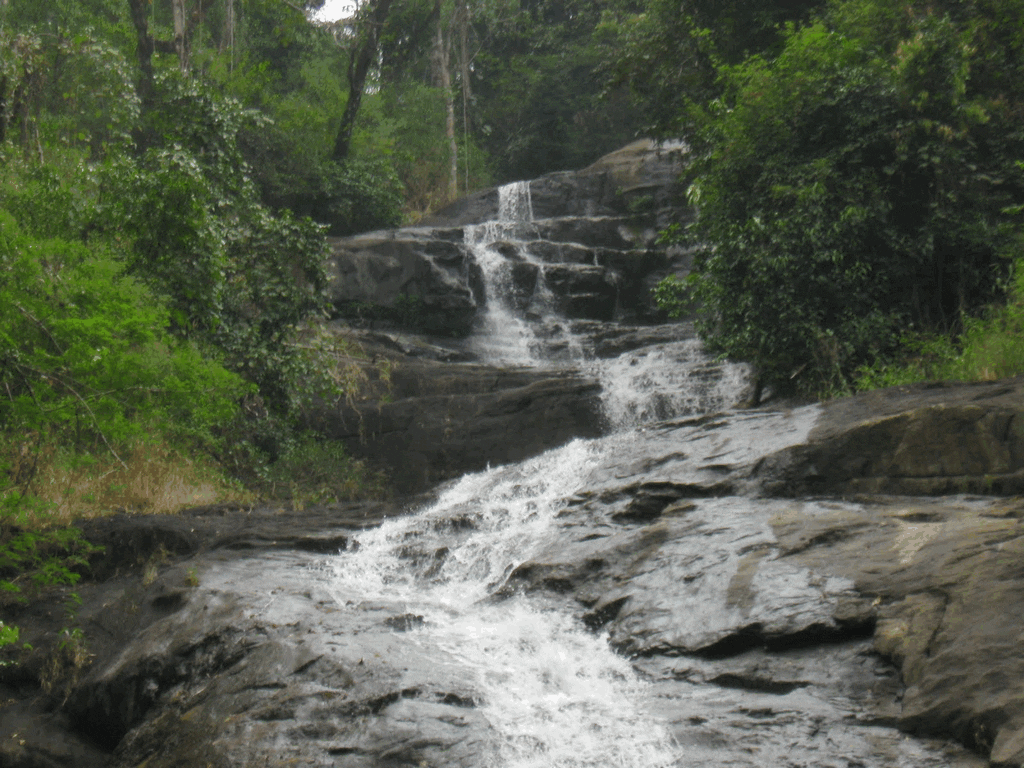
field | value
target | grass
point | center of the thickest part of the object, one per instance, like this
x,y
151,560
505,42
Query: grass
x,y
149,478
989,347
312,471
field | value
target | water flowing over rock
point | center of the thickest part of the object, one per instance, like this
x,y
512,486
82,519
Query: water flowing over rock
x,y
592,232
621,568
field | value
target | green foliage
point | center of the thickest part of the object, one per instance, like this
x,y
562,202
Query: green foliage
x,y
84,351
989,347
237,277
668,53
312,469
34,556
406,125
358,195
63,85
851,187
541,99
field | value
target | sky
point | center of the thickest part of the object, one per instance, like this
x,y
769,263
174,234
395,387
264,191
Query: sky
x,y
334,10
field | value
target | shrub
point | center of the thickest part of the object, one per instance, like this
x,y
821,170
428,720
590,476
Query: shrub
x,y
853,186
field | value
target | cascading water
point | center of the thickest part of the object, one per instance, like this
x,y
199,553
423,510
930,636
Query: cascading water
x,y
555,694
518,325
486,586
504,336
663,381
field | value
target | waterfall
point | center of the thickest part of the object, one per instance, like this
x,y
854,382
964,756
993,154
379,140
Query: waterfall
x,y
554,693
664,381
515,203
504,337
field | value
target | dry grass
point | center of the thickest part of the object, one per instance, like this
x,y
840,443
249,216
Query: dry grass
x,y
151,478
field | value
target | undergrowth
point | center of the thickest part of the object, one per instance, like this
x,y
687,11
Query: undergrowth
x,y
989,347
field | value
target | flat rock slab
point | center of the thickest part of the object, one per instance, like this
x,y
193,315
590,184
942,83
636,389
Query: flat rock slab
x,y
937,438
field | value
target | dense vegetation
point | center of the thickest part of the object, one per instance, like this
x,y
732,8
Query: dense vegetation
x,y
169,170
859,182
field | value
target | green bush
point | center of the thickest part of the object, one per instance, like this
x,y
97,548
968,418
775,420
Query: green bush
x,y
34,556
989,347
312,469
237,277
853,186
84,350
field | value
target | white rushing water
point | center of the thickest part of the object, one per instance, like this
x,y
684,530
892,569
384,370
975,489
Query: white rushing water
x,y
554,693
504,336
530,334
663,381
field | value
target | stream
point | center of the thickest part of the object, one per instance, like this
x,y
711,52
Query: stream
x,y
555,687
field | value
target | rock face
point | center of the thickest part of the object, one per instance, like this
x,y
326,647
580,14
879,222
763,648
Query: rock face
x,y
639,178
764,625
596,227
689,570
420,277
495,417
929,439
792,585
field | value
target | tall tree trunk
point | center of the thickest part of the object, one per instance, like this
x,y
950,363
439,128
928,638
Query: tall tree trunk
x,y
442,74
144,51
228,39
359,65
467,92
180,33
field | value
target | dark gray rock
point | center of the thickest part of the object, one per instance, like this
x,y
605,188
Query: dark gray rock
x,y
606,216
487,417
639,179
770,629
412,277
934,438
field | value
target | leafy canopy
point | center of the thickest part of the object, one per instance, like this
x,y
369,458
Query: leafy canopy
x,y
855,185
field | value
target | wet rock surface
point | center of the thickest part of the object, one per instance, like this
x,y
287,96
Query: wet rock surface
x,y
809,631
793,585
642,176
927,439
439,416
596,229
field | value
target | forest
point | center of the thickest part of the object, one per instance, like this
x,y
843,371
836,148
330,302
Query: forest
x,y
170,170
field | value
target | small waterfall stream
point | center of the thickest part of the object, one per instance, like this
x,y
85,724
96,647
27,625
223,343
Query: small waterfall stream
x,y
483,631
519,325
556,695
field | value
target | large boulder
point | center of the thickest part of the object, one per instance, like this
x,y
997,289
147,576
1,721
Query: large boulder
x,y
415,277
640,179
936,438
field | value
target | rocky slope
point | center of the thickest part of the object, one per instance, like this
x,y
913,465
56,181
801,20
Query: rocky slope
x,y
768,623
805,585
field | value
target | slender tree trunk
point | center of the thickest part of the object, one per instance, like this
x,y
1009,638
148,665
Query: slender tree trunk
x,y
228,39
359,66
144,50
442,73
467,93
180,33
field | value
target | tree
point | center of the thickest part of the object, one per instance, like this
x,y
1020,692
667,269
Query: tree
x,y
369,25
855,185
540,98
668,53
